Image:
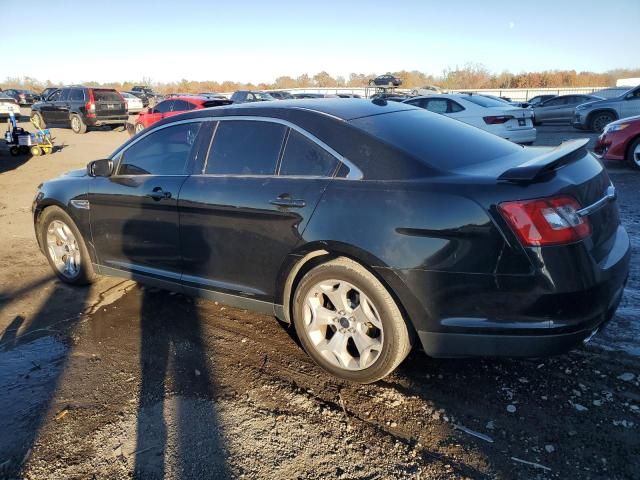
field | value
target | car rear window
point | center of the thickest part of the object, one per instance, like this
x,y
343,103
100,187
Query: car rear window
x,y
436,140
484,101
106,96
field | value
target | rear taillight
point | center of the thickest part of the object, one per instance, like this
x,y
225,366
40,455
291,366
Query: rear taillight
x,y
498,119
546,221
90,106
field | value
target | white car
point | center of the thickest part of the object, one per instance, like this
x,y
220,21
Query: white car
x,y
7,106
134,104
497,117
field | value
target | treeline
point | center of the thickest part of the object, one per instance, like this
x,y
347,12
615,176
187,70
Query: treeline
x,y
470,76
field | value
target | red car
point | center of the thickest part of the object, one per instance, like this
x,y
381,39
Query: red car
x,y
174,106
620,140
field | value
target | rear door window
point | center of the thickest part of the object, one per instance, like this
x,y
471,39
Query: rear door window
x,y
437,105
181,106
64,96
166,151
245,147
164,107
304,157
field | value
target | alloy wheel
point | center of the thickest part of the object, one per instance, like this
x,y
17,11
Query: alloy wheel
x,y
75,124
63,249
343,324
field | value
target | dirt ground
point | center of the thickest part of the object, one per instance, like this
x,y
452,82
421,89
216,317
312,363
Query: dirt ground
x,y
118,381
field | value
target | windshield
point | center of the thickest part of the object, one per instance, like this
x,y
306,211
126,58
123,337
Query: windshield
x,y
485,101
438,141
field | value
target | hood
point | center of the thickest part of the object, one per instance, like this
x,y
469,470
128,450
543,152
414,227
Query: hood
x,y
81,172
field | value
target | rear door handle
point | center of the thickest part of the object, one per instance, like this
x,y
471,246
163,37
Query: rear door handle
x,y
286,201
158,194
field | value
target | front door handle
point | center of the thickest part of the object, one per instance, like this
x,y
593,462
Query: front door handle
x,y
286,201
158,194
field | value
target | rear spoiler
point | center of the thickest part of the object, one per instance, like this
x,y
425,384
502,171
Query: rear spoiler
x,y
563,154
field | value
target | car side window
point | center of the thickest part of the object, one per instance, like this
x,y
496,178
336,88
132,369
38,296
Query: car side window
x,y
181,106
245,147
76,94
555,102
164,107
55,96
303,156
65,94
164,152
455,107
437,105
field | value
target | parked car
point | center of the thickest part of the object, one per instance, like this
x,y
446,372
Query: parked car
x,y
81,107
307,95
134,104
537,100
348,95
22,96
370,227
560,109
281,95
596,115
146,94
495,116
387,80
174,106
426,90
620,141
247,96
8,106
212,95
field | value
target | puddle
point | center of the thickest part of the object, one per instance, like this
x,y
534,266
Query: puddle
x,y
28,378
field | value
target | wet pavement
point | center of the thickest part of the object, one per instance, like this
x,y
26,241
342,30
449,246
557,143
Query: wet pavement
x,y
120,381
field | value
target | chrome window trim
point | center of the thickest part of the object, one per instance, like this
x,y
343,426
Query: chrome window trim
x,y
354,172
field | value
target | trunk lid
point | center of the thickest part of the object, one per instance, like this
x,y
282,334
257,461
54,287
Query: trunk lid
x,y
109,103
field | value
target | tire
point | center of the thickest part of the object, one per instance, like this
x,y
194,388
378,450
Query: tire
x,y
138,128
37,118
77,125
599,120
36,151
371,318
633,154
14,151
52,219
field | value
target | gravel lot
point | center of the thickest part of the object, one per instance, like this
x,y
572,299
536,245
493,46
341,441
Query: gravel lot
x,y
120,381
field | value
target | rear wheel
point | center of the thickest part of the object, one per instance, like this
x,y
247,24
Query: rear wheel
x,y
64,247
348,322
36,151
77,125
633,154
14,151
600,120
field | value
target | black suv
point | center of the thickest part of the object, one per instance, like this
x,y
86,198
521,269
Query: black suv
x,y
81,107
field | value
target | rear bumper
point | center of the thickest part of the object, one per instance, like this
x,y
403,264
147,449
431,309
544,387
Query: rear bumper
x,y
466,315
112,120
521,136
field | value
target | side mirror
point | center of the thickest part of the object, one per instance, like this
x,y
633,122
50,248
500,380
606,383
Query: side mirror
x,y
100,168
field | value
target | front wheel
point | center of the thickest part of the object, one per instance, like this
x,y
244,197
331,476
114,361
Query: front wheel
x,y
601,120
348,322
64,247
633,154
77,125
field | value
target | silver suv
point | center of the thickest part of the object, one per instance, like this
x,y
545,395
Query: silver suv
x,y
596,115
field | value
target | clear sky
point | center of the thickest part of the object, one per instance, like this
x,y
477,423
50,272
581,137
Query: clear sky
x,y
256,41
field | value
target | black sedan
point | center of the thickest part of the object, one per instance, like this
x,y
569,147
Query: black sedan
x,y
22,96
372,226
387,80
